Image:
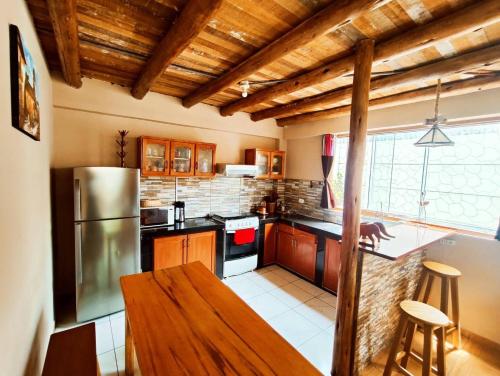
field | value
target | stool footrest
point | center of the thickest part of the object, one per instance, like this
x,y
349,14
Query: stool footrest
x,y
404,371
419,359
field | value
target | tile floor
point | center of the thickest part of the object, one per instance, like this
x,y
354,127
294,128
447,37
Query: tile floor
x,y
302,313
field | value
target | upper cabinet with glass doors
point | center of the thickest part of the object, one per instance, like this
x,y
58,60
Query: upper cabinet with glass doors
x,y
270,164
162,157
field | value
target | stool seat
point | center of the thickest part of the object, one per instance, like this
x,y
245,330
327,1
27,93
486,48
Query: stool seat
x,y
441,269
424,313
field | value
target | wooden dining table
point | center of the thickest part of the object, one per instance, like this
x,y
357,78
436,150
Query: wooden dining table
x,y
185,321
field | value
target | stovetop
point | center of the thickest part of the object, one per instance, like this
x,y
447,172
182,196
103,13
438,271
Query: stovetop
x,y
231,216
236,221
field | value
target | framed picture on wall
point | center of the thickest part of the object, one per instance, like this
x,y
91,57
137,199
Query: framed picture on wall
x,y
24,87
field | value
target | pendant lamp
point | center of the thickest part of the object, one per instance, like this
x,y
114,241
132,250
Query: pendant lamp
x,y
435,136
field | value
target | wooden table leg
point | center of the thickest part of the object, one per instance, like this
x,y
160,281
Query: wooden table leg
x,y
129,349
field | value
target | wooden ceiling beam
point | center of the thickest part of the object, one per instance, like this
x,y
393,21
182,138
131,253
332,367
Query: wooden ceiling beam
x,y
482,82
463,62
477,15
65,25
339,13
193,18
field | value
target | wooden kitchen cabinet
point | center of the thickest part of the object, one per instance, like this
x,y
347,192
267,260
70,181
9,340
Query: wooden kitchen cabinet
x,y
177,250
277,169
182,158
304,258
270,164
270,241
169,251
154,156
297,250
286,245
164,157
201,247
332,264
204,164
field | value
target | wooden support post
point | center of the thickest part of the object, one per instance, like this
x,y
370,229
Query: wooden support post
x,y
345,330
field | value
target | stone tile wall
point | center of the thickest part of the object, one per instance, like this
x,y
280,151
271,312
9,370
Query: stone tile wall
x,y
310,192
218,195
384,284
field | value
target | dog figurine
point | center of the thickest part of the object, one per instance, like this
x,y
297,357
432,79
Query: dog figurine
x,y
374,230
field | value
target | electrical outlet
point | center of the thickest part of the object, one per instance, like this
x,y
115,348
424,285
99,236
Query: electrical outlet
x,y
448,242
301,200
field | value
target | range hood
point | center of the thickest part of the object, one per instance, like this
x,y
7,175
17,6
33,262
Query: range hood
x,y
236,170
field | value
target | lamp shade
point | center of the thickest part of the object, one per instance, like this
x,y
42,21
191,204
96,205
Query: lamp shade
x,y
434,137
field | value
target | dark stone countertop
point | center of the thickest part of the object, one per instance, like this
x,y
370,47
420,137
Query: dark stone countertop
x,y
408,238
189,226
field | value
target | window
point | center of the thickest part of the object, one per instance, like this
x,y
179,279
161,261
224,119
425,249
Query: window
x,y
461,183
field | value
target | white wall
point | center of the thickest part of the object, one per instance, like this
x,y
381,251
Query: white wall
x,y
86,121
479,287
26,314
473,105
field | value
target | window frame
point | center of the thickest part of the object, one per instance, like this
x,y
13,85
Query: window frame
x,y
410,219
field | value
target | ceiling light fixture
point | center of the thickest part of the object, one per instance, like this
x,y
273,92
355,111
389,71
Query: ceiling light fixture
x,y
435,136
245,85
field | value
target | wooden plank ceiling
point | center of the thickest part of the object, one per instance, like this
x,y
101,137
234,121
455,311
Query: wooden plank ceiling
x,y
118,37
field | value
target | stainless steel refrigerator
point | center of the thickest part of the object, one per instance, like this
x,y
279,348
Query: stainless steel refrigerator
x,y
107,237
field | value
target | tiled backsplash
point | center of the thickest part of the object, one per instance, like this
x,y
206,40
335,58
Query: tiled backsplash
x,y
310,192
204,196
229,195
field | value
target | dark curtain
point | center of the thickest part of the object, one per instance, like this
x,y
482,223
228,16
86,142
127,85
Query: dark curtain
x,y
327,198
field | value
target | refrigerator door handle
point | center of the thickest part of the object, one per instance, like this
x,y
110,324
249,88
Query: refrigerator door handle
x,y
78,253
78,201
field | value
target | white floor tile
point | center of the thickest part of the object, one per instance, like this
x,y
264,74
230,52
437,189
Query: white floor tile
x,y
295,328
291,295
308,287
268,281
318,312
120,360
290,277
107,363
104,337
267,306
319,351
117,315
246,289
328,298
118,331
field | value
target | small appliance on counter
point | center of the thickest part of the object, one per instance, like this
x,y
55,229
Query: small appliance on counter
x,y
157,217
180,211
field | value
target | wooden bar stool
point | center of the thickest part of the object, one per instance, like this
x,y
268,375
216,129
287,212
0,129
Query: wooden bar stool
x,y
449,279
432,320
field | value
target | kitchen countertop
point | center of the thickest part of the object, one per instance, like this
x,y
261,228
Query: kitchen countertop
x,y
408,238
189,226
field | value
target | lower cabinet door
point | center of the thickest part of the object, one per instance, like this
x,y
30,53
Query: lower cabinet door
x,y
304,261
284,254
201,247
169,251
270,238
332,265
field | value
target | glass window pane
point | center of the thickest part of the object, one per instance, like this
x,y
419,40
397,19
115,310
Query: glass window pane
x,y
205,160
463,181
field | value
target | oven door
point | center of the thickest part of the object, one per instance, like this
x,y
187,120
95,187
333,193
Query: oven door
x,y
234,251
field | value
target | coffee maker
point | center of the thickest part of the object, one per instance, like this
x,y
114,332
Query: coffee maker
x,y
180,211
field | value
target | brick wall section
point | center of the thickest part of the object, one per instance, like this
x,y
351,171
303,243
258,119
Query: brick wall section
x,y
384,284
